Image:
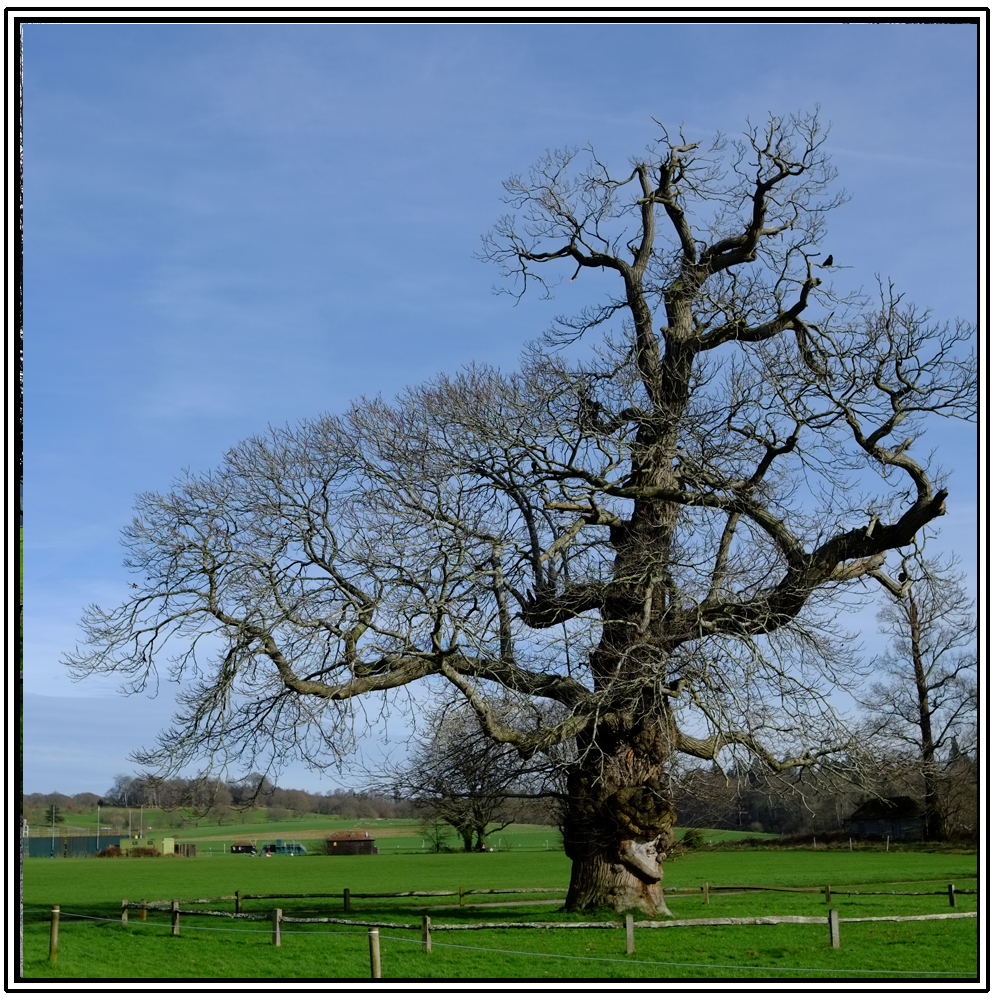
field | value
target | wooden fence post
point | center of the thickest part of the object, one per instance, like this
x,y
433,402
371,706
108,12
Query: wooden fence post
x,y
951,894
834,929
142,909
629,934
276,929
347,900
239,901
705,890
124,911
375,954
827,895
54,934
175,918
425,933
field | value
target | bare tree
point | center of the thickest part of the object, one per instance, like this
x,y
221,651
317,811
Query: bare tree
x,y
928,697
452,776
221,806
659,536
454,772
128,790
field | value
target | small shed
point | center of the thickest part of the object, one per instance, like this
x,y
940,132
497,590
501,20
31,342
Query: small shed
x,y
158,845
900,817
351,842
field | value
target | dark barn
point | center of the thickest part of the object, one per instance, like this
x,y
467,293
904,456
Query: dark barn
x,y
899,817
351,842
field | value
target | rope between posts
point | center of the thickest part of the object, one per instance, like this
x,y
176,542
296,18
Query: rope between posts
x,y
252,930
150,924
685,965
530,954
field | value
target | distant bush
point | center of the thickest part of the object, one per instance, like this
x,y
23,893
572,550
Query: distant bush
x,y
114,851
693,839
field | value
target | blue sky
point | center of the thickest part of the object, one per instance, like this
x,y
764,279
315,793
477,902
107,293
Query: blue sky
x,y
230,226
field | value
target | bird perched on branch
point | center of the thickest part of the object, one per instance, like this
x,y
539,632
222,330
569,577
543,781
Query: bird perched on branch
x,y
828,262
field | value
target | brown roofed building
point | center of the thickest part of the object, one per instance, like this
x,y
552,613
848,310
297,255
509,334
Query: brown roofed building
x,y
350,842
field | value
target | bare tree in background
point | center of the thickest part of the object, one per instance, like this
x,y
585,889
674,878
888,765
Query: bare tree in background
x,y
659,535
455,773
928,699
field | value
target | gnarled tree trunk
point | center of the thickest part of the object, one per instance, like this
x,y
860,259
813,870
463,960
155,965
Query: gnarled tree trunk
x,y
617,822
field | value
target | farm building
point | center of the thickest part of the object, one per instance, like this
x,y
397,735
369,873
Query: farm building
x,y
351,842
161,845
900,817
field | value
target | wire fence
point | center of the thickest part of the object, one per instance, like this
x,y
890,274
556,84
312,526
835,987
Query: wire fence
x,y
684,965
373,935
280,923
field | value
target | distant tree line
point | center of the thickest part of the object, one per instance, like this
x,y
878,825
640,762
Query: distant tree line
x,y
813,800
821,800
220,800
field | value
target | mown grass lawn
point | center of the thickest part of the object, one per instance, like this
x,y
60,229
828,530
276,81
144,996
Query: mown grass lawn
x,y
392,835
217,948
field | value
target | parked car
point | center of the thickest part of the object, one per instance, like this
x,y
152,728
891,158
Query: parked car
x,y
280,847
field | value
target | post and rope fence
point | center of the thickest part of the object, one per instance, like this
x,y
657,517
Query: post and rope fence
x,y
705,890
628,923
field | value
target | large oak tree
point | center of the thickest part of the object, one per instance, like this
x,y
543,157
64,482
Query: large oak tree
x,y
654,532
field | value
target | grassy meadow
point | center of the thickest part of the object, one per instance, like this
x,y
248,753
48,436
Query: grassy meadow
x,y
95,945
393,835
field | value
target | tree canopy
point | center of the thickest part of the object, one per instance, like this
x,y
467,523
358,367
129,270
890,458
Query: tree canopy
x,y
652,524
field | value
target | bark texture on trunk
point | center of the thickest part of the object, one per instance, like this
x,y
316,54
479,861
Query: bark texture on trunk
x,y
625,876
617,822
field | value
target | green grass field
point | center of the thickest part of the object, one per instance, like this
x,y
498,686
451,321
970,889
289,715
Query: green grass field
x,y
221,948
